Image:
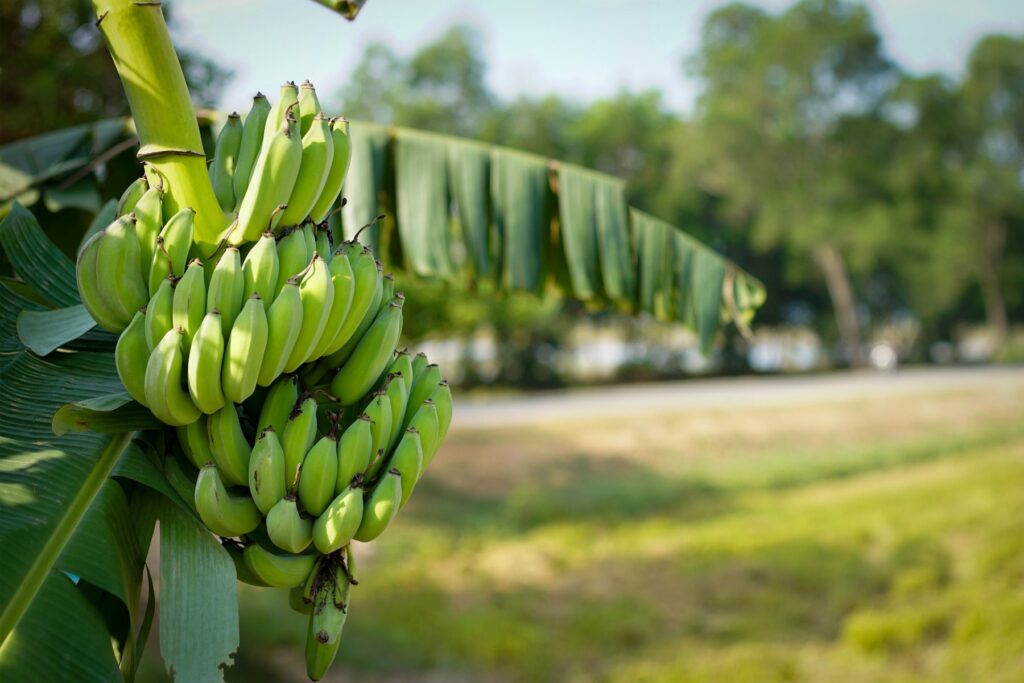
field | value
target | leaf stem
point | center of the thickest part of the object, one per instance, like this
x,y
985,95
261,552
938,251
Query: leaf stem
x,y
76,509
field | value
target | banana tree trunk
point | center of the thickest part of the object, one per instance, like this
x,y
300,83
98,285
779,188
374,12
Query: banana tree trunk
x,y
830,263
165,120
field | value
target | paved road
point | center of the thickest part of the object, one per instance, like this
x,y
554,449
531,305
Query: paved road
x,y
724,393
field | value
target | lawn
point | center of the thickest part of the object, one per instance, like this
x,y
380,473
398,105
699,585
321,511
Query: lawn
x,y
859,541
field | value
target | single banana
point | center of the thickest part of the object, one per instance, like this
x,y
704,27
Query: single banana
x,y
272,181
160,312
370,356
280,571
244,351
170,252
165,396
381,506
231,450
355,450
195,441
366,300
225,160
278,404
288,529
336,176
249,148
317,152
131,195
318,475
408,460
317,294
225,513
326,622
284,323
297,603
419,364
388,292
260,270
88,277
131,355
338,523
309,106
423,385
188,307
204,364
324,243
292,257
394,388
225,292
343,284
242,571
379,412
426,422
119,265
402,366
149,219
288,100
309,235
297,438
442,398
266,471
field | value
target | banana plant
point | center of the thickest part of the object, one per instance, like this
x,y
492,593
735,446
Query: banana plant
x,y
82,467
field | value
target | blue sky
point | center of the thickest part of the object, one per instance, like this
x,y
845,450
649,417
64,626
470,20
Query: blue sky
x,y
581,49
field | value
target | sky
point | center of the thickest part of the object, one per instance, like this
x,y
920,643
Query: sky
x,y
580,49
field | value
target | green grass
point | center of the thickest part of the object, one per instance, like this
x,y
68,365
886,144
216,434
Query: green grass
x,y
889,557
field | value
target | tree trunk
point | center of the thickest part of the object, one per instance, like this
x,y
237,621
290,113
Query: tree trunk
x,y
995,304
830,262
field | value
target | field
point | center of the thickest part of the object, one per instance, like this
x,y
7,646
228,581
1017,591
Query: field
x,y
858,540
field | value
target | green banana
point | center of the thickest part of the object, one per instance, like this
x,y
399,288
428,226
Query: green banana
x,y
131,355
165,396
442,398
419,364
160,312
88,277
365,302
149,219
288,100
326,622
297,438
408,460
272,181
402,366
225,513
244,351
284,323
394,388
204,364
370,356
387,293
355,450
317,294
225,160
231,450
426,422
225,292
188,307
309,235
289,530
252,141
313,581
119,265
336,176
131,195
260,270
423,385
242,571
309,106
266,471
379,412
381,506
292,256
297,603
170,252
318,475
343,283
280,571
338,523
278,404
317,152
195,441
183,484
324,243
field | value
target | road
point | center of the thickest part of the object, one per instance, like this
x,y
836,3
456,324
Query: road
x,y
719,393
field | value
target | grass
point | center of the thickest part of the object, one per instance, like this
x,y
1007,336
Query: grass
x,y
847,542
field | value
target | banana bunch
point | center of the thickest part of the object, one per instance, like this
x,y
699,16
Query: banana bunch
x,y
301,427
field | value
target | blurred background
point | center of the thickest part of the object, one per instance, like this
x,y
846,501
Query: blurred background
x,y
836,497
